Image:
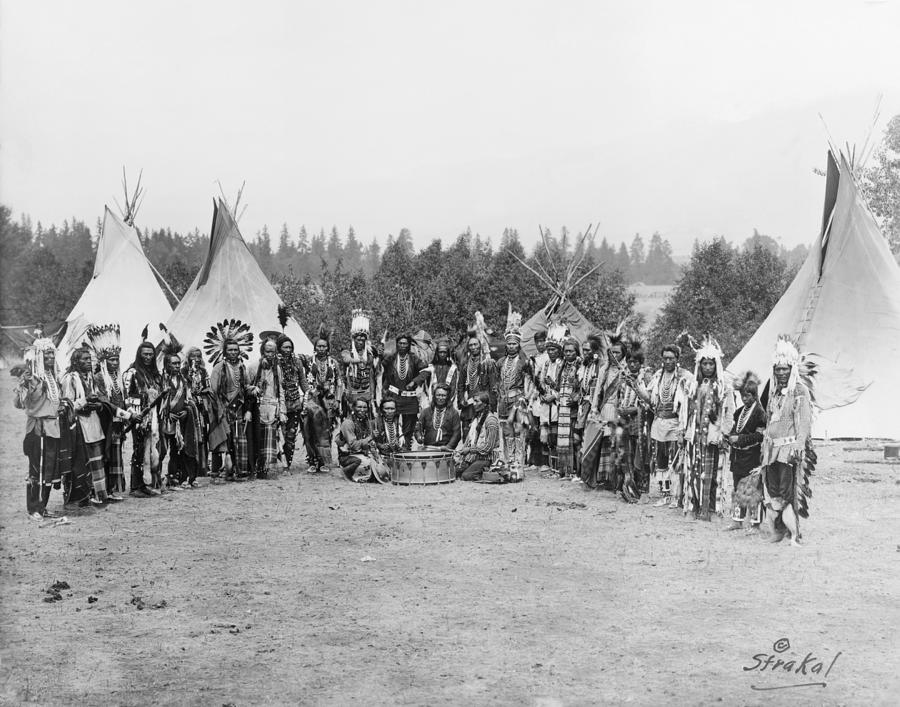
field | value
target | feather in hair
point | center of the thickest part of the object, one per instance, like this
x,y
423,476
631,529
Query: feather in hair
x,y
283,314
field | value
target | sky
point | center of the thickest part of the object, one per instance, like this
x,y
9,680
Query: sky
x,y
689,118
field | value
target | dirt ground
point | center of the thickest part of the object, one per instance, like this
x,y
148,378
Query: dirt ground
x,y
311,590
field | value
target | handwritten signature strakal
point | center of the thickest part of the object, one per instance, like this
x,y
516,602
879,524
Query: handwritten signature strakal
x,y
781,662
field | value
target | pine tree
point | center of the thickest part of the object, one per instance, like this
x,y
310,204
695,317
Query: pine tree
x,y
637,258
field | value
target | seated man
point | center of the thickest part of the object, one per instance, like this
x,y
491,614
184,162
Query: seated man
x,y
439,426
389,429
481,447
356,446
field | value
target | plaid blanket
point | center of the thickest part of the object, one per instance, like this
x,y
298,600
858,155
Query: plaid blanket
x,y
240,448
598,458
267,452
703,471
115,468
96,468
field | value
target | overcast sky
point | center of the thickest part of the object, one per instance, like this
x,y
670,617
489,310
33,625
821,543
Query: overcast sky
x,y
690,118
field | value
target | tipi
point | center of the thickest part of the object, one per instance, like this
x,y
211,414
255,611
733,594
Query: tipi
x,y
122,289
843,306
559,308
230,285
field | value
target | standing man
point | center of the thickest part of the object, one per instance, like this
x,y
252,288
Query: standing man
x,y
180,423
787,452
38,394
87,452
401,376
546,381
569,391
322,403
295,382
443,371
537,456
114,415
142,384
268,406
602,444
669,403
515,376
227,345
709,418
439,426
360,365
479,375
745,440
632,415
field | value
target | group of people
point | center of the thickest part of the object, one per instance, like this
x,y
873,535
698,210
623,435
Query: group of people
x,y
588,411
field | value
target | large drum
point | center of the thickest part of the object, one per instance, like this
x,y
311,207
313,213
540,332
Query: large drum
x,y
422,467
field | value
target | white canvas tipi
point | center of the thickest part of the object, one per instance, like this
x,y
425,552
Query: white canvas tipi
x,y
123,289
844,306
230,285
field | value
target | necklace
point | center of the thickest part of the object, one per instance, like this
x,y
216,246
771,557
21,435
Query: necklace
x,y
390,427
745,415
667,387
472,373
52,389
437,420
402,366
509,371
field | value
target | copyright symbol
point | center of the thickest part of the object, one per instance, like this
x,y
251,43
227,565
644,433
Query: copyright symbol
x,y
781,645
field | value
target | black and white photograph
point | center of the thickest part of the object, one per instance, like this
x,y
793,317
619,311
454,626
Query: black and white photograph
x,y
449,353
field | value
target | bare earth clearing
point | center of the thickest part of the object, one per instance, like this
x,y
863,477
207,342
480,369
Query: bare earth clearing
x,y
534,593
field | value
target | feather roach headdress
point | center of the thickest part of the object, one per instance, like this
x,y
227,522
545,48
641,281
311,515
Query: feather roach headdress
x,y
170,346
513,326
634,347
747,383
324,334
283,314
226,331
615,337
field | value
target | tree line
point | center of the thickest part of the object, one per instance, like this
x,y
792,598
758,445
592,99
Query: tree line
x,y
725,288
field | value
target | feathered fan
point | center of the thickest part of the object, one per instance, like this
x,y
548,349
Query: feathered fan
x,y
228,330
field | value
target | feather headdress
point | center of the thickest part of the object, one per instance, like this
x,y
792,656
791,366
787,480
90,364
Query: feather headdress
x,y
359,322
479,331
709,349
803,366
220,334
104,340
513,325
34,357
557,333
